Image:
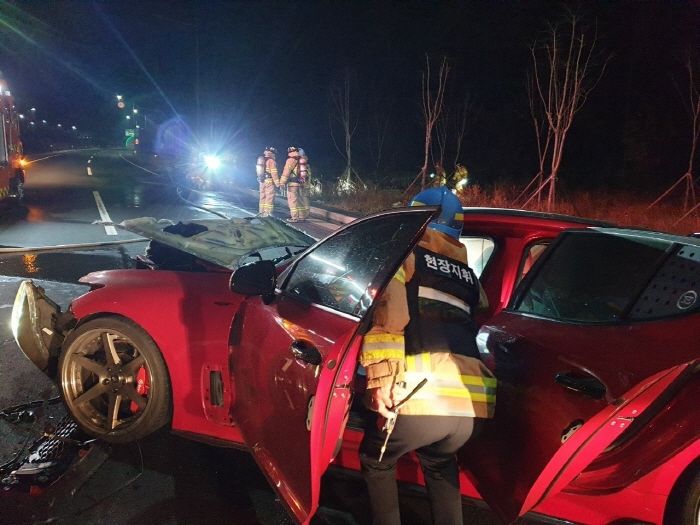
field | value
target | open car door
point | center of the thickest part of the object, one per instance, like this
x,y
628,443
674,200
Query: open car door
x,y
294,353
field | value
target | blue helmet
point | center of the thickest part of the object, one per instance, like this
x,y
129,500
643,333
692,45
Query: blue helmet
x,y
451,219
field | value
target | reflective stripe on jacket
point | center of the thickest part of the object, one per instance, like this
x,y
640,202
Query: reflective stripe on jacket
x,y
457,386
271,171
398,350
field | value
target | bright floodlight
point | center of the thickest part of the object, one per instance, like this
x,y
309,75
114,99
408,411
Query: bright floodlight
x,y
119,97
32,109
135,111
73,128
212,161
128,117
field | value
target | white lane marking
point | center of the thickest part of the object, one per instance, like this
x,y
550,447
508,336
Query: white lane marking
x,y
89,170
110,230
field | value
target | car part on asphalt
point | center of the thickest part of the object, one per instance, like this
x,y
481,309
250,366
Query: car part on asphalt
x,y
42,462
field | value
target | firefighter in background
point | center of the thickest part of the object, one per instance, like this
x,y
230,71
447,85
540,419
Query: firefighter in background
x,y
291,178
460,178
423,328
266,171
305,181
440,175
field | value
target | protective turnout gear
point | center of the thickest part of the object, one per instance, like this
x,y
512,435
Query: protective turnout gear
x,y
305,181
291,178
451,216
423,329
460,178
266,172
440,176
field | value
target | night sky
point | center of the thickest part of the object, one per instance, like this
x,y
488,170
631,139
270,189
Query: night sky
x,y
249,74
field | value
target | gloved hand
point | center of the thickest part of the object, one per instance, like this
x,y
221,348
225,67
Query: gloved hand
x,y
380,400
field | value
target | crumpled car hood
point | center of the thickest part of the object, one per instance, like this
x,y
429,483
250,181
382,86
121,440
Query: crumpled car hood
x,y
220,241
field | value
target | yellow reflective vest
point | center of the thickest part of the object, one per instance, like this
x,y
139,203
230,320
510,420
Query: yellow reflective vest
x,y
458,385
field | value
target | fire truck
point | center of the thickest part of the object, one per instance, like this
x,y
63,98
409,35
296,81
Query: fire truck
x,y
11,161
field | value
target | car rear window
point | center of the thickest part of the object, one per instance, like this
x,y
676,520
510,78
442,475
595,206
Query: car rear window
x,y
598,277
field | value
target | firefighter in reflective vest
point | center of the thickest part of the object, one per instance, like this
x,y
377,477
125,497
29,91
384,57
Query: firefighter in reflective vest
x,y
423,328
460,178
266,171
305,183
291,178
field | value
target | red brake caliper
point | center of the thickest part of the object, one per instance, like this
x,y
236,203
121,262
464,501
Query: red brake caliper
x,y
142,387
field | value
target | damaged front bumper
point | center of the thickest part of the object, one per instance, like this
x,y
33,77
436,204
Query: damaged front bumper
x,y
38,326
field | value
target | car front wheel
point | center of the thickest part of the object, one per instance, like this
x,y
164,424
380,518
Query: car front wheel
x,y
114,380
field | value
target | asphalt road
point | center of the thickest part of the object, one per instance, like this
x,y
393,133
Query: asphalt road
x,y
164,478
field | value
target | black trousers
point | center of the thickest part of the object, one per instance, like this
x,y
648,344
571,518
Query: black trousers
x,y
435,439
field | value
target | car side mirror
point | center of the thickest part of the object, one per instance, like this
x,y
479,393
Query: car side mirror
x,y
256,278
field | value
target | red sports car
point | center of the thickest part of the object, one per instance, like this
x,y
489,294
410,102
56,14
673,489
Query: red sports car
x,y
593,337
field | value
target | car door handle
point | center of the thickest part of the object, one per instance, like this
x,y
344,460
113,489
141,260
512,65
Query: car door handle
x,y
587,385
306,352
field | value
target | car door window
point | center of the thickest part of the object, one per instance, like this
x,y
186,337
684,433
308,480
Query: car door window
x,y
592,277
674,289
344,271
532,253
479,251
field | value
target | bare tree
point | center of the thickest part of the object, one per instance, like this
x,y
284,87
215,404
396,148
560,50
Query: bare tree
x,y
563,77
690,204
543,135
432,98
442,127
464,118
380,109
341,116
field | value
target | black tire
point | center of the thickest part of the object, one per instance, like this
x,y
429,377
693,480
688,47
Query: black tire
x,y
691,502
102,392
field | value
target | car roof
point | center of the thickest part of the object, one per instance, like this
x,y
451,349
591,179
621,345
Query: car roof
x,y
650,235
532,216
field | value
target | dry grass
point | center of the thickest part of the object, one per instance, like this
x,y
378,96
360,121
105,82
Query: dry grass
x,y
624,209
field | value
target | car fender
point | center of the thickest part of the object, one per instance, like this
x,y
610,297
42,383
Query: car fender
x,y
188,315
